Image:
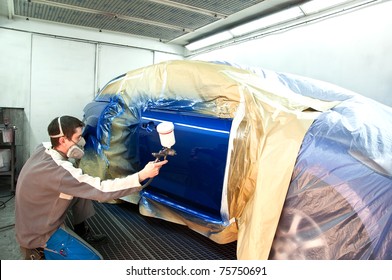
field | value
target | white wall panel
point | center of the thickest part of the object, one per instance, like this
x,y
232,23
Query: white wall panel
x,y
62,82
116,60
160,57
15,54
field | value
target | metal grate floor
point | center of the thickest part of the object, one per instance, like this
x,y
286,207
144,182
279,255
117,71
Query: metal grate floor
x,y
133,236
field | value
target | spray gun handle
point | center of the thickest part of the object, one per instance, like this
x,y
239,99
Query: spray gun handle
x,y
164,152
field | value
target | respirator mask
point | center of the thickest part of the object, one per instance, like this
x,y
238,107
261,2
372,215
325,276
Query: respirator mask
x,y
76,150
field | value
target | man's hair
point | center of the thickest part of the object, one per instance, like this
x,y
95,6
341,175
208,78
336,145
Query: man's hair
x,y
69,125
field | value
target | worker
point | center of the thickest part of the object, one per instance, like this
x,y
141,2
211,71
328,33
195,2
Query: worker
x,y
49,185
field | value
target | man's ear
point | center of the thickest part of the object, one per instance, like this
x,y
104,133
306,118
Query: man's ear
x,y
62,140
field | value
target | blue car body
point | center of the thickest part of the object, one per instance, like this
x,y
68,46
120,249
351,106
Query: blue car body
x,y
339,201
193,181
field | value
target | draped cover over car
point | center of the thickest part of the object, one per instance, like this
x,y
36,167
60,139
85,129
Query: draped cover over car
x,y
291,167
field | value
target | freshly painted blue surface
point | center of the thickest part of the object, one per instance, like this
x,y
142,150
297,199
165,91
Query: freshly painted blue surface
x,y
193,178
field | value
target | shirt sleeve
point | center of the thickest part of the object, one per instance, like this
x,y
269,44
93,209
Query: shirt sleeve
x,y
77,184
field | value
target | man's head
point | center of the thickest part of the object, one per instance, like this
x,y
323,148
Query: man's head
x,y
65,132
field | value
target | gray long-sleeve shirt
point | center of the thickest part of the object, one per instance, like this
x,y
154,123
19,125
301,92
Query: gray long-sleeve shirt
x,y
46,186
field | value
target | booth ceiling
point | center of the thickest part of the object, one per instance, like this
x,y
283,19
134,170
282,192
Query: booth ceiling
x,y
174,21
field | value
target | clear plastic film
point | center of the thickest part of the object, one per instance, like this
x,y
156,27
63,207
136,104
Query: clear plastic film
x,y
339,202
271,114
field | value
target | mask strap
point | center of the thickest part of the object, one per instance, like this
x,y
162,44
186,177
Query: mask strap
x,y
60,128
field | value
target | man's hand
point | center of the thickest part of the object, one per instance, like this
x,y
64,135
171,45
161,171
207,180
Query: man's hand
x,y
150,170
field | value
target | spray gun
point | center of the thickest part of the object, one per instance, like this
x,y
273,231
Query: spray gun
x,y
164,152
166,136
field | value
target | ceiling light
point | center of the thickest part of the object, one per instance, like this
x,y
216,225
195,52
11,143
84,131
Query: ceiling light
x,y
319,5
267,21
208,41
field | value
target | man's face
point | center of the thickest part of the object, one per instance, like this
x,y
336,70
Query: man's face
x,y
69,143
77,135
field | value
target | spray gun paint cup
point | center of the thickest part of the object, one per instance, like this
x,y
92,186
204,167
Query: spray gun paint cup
x,y
166,134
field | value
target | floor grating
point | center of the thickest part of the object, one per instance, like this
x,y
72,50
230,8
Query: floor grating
x,y
133,236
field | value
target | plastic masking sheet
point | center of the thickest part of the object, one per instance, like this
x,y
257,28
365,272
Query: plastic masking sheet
x,y
270,120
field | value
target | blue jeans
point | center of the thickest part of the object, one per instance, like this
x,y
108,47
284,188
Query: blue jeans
x,y
64,244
